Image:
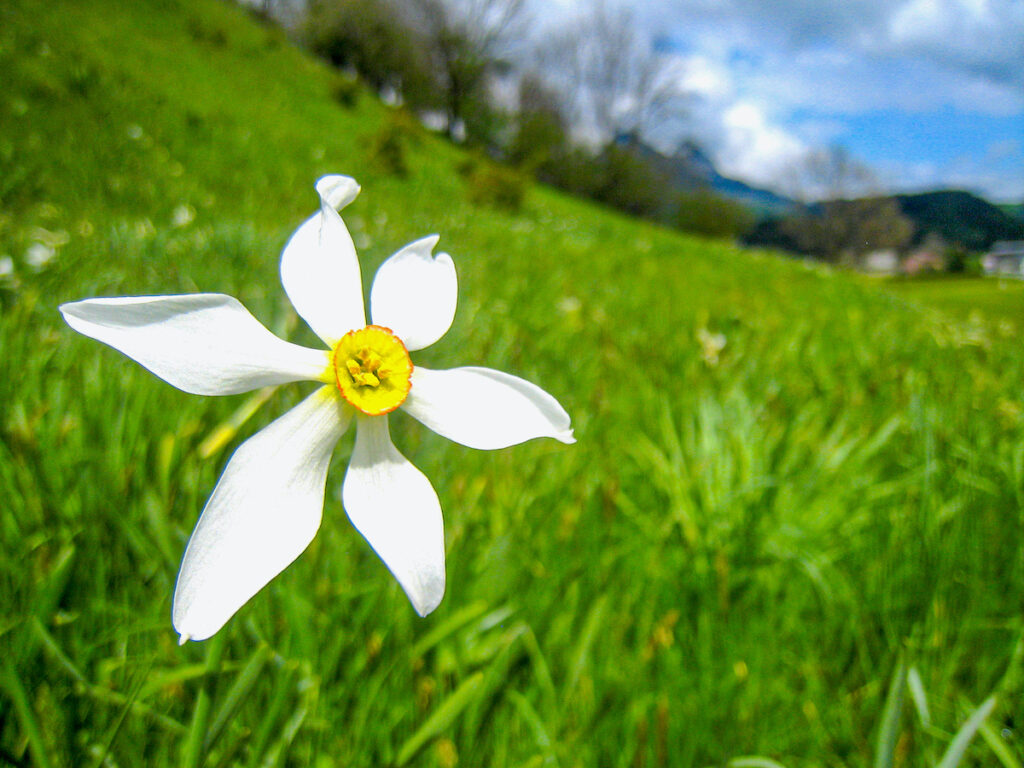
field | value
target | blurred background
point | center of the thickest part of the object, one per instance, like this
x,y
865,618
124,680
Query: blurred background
x,y
768,255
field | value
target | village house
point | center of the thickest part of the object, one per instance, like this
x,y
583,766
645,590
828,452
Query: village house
x,y
1006,258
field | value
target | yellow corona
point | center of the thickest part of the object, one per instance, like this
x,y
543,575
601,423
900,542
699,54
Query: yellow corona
x,y
372,369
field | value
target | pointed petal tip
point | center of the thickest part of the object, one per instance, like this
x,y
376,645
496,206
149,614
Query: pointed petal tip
x,y
485,409
415,292
424,248
184,638
424,606
68,310
430,592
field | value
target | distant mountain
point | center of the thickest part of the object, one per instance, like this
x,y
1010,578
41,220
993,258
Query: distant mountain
x,y
763,201
691,170
1013,210
959,217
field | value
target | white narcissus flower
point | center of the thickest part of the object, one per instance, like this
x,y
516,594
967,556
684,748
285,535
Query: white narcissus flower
x,y
267,505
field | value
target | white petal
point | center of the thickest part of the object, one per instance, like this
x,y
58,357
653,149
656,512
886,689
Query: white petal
x,y
204,343
484,408
414,294
394,506
320,269
263,513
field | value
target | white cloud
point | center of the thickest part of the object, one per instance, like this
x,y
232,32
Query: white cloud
x,y
771,77
754,148
704,77
742,135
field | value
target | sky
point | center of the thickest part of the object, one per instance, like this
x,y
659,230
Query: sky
x,y
928,93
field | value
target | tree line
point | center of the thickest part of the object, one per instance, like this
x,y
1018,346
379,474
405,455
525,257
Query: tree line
x,y
569,110
577,110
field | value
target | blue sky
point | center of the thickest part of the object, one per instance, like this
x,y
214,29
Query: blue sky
x,y
928,93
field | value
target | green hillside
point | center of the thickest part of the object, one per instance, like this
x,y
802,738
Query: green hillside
x,y
791,529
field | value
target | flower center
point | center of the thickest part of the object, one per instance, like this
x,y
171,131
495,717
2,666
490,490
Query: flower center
x,y
372,369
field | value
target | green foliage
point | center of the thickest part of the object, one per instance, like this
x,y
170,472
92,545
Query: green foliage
x,y
630,184
843,230
541,140
972,300
786,480
960,218
389,146
346,90
960,261
709,214
373,39
493,185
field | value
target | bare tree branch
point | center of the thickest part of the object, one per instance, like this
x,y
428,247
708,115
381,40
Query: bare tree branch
x,y
614,80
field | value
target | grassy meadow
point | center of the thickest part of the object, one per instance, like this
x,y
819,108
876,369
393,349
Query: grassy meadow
x,y
790,533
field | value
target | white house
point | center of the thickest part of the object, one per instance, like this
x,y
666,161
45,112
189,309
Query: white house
x,y
1006,258
884,261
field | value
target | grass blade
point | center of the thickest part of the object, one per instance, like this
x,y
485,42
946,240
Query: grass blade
x,y
448,627
754,761
27,716
999,746
918,695
97,692
591,629
541,737
541,669
272,715
889,730
244,682
125,710
225,432
963,737
192,756
442,717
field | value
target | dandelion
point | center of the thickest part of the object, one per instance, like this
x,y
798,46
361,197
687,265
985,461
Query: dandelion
x,y
6,266
267,505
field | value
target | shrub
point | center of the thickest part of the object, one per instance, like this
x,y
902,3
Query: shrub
x,y
389,145
345,91
495,185
631,184
706,213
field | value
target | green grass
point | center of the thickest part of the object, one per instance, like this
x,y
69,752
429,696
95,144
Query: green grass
x,y
975,299
744,555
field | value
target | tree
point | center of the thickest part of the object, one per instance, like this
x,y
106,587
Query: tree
x,y
850,217
613,80
629,182
541,139
706,213
465,40
372,38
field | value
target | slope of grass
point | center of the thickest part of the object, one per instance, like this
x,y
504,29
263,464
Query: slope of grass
x,y
974,299
785,481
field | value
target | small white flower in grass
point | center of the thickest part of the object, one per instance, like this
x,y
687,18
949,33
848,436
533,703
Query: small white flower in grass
x,y
38,255
267,505
183,215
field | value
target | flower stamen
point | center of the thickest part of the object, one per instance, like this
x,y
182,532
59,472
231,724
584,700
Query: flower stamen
x,y
372,369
